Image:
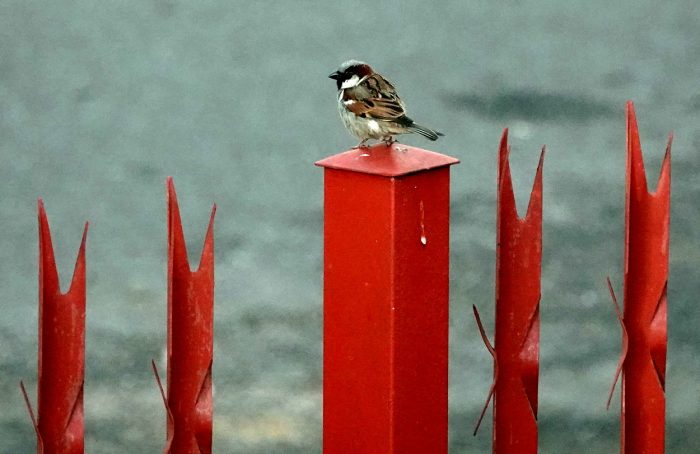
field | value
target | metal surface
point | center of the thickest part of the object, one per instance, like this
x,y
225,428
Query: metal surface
x,y
386,286
643,361
516,352
190,339
60,423
387,161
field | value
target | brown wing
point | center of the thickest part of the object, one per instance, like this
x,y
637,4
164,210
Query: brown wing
x,y
374,97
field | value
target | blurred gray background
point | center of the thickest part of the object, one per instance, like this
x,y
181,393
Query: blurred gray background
x,y
100,101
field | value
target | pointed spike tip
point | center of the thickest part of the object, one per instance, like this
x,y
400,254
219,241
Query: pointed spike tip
x,y
535,204
170,190
636,174
504,135
177,247
506,195
210,227
79,268
41,211
212,216
48,272
503,148
206,258
631,115
663,182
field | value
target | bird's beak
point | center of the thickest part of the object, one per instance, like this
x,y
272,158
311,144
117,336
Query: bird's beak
x,y
335,75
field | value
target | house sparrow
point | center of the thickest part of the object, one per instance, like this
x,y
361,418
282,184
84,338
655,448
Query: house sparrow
x,y
369,106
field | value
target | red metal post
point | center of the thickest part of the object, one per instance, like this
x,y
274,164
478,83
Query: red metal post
x,y
646,274
59,427
516,354
386,278
190,339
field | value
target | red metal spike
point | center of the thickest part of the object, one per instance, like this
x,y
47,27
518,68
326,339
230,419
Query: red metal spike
x,y
190,338
646,275
518,267
60,423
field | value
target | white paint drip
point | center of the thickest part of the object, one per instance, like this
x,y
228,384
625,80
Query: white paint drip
x,y
423,238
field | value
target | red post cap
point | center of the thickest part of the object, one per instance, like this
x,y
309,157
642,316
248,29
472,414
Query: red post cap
x,y
393,160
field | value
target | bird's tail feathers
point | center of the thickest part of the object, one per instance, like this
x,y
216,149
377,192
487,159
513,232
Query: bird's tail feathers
x,y
426,132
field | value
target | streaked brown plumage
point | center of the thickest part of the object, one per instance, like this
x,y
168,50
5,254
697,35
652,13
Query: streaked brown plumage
x,y
370,107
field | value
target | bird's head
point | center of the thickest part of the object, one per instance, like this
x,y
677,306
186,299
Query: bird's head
x,y
350,73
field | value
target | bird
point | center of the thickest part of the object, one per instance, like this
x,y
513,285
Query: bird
x,y
369,106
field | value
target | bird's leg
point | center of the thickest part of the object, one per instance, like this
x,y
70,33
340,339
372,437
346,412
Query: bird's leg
x,y
362,144
388,140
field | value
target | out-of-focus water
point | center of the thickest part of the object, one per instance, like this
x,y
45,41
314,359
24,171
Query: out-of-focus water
x,y
100,101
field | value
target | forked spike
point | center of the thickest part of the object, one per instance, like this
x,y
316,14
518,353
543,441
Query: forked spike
x,y
190,321
59,423
645,306
516,358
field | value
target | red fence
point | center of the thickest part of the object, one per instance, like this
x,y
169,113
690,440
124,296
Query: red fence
x,y
188,401
386,270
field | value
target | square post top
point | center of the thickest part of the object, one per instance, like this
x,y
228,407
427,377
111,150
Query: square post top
x,y
393,160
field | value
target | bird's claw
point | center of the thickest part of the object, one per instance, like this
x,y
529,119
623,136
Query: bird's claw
x,y
362,144
389,140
